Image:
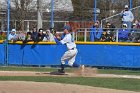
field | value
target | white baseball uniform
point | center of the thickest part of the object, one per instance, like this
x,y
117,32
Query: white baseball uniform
x,y
71,53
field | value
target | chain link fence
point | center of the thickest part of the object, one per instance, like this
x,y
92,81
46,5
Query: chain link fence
x,y
116,19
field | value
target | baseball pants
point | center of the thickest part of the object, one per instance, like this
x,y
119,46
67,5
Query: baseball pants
x,y
69,55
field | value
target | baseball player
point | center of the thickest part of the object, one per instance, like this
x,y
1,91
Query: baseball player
x,y
71,52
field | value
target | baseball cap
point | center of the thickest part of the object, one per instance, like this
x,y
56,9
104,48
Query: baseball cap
x,y
13,30
124,25
126,6
134,24
67,27
40,30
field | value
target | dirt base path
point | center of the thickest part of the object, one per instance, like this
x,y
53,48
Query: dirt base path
x,y
31,73
42,87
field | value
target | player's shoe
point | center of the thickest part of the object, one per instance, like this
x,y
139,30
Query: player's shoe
x,y
80,71
82,67
61,71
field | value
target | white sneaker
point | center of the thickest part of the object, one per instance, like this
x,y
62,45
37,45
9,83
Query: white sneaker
x,y
80,71
82,67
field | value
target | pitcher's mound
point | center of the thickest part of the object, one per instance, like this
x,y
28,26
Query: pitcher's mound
x,y
57,73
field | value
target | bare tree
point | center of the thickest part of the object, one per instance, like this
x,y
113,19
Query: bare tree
x,y
82,10
20,11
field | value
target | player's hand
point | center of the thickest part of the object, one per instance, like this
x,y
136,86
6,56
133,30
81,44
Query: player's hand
x,y
57,36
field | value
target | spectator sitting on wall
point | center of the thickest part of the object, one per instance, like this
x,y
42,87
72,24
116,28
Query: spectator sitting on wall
x,y
50,36
28,37
111,26
45,37
127,16
12,36
34,34
40,35
95,32
21,36
107,34
135,34
137,24
123,33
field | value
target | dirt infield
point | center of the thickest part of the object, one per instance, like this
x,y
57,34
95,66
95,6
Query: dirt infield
x,y
75,74
39,87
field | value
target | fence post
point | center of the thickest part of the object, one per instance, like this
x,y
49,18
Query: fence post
x,y
94,11
85,35
39,14
8,30
76,35
131,3
73,35
15,24
52,14
117,35
28,26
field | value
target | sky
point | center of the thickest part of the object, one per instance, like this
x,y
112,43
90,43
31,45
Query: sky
x,y
65,5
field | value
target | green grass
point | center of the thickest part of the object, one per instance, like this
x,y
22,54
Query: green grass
x,y
35,69
119,72
112,83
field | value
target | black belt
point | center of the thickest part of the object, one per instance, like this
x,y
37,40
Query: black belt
x,y
72,48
